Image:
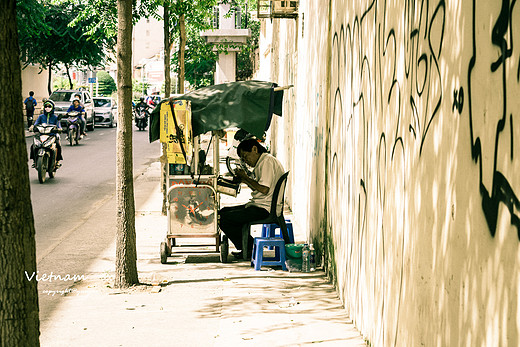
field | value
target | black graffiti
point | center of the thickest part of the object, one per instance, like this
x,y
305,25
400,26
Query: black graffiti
x,y
501,190
499,31
426,61
458,100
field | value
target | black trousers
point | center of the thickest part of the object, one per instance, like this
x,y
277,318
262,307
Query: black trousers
x,y
233,218
30,117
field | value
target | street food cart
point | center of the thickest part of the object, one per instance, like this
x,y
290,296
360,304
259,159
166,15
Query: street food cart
x,y
194,187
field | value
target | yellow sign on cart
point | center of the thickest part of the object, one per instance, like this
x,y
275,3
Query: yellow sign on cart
x,y
174,137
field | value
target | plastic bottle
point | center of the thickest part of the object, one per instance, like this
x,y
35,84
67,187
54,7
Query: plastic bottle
x,y
312,258
305,258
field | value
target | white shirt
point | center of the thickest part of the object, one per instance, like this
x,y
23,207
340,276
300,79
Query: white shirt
x,y
267,171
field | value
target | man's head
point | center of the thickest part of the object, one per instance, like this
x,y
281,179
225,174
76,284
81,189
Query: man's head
x,y
48,107
31,93
75,102
250,151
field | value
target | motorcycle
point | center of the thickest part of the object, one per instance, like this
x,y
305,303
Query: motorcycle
x,y
141,118
45,150
73,128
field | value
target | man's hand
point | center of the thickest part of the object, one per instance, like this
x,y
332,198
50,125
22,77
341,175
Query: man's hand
x,y
240,173
31,128
254,185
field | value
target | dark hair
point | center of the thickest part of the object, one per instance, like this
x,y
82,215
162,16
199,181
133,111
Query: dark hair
x,y
31,93
247,145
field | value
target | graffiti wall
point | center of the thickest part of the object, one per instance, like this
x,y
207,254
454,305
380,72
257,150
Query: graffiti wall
x,y
405,136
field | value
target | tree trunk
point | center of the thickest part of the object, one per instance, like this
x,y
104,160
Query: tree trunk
x,y
182,48
167,92
49,81
68,75
167,77
19,322
126,252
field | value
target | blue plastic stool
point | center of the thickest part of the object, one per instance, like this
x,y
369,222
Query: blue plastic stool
x,y
269,230
258,260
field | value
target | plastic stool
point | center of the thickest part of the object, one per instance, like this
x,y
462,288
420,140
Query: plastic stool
x,y
258,260
269,230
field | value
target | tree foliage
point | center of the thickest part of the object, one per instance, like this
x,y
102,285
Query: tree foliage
x,y
106,84
185,16
246,56
56,36
200,60
64,39
32,27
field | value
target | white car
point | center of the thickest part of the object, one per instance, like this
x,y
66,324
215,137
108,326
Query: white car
x,y
105,111
63,99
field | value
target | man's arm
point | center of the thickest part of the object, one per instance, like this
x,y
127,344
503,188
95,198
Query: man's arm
x,y
38,121
251,182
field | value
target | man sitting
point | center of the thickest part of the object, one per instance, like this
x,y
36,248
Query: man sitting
x,y
267,170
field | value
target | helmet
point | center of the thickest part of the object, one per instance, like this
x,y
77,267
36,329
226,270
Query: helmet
x,y
47,103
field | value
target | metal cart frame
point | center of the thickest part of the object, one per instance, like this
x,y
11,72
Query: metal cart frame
x,y
191,222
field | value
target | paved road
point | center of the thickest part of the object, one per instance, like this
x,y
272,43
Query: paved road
x,y
81,193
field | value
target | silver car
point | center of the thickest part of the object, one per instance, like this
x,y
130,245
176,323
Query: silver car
x,y
63,99
105,111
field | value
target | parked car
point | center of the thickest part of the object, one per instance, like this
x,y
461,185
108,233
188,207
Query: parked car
x,y
63,99
105,111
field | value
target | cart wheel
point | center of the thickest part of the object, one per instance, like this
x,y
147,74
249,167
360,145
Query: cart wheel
x,y
164,252
224,249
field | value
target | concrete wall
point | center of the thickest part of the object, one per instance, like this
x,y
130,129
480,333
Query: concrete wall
x,y
33,79
402,138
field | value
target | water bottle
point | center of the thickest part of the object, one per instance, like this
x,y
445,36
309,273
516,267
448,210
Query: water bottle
x,y
312,258
305,258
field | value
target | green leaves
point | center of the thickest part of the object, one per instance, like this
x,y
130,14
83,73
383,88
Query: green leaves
x,y
55,34
107,85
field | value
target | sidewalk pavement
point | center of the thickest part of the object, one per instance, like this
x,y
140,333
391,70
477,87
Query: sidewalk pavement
x,y
196,300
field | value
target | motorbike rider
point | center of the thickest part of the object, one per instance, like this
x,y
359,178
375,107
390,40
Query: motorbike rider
x,y
78,97
48,117
76,106
142,105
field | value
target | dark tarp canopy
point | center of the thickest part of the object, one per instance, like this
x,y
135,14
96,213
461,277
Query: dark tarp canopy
x,y
247,105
